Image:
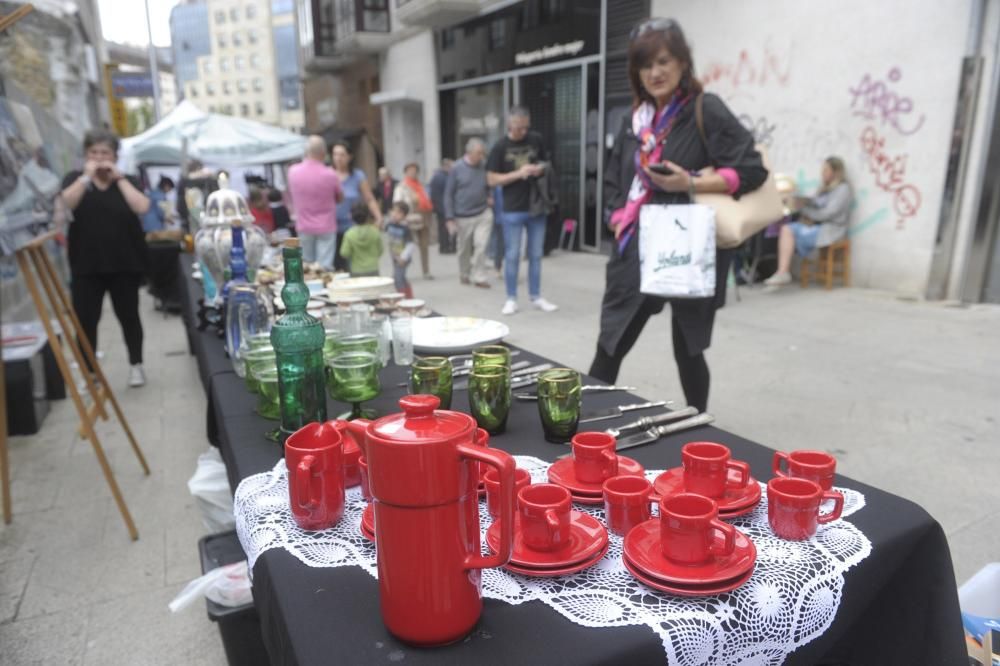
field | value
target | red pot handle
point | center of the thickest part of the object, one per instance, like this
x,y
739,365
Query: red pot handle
x,y
838,508
776,463
504,464
303,483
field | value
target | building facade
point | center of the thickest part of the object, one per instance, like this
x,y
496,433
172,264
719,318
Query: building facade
x,y
190,38
248,71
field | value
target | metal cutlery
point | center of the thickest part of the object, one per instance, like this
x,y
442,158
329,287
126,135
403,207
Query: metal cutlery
x,y
647,422
615,412
515,374
586,388
657,432
465,370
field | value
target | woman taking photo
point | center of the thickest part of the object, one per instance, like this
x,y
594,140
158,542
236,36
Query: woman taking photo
x,y
662,130
107,247
356,188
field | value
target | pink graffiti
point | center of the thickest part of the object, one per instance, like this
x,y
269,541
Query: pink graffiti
x,y
890,175
750,70
873,100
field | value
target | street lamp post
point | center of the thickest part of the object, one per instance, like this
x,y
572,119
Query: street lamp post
x,y
153,67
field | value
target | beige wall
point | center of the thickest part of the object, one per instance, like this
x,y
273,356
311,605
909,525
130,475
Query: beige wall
x,y
420,83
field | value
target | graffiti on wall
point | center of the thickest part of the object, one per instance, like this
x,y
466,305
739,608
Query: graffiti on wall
x,y
875,100
890,175
752,68
760,127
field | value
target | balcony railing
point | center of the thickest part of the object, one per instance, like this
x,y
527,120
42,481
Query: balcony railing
x,y
436,13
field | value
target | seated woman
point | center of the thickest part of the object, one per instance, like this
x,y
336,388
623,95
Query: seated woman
x,y
823,220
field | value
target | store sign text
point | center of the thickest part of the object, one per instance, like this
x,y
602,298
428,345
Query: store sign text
x,y
549,52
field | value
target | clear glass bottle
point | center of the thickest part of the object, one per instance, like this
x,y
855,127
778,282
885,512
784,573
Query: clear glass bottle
x,y
298,344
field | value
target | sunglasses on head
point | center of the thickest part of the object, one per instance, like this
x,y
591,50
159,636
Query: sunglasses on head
x,y
652,24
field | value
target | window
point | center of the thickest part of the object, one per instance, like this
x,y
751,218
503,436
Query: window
x,y
228,109
206,66
234,14
244,109
447,38
239,63
221,40
192,91
254,60
223,64
251,36
259,108
241,85
211,108
209,89
251,12
225,88
258,85
220,17
237,40
498,34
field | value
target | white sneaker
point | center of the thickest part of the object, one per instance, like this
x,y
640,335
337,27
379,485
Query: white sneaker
x,y
136,376
544,305
510,307
778,280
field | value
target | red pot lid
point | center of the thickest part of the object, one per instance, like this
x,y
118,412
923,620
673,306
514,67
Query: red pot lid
x,y
422,422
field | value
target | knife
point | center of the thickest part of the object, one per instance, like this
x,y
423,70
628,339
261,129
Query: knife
x,y
466,359
657,432
533,370
585,388
647,422
614,412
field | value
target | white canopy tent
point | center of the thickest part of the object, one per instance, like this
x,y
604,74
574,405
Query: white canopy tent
x,y
218,140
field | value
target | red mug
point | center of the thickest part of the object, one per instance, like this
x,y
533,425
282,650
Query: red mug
x,y
594,457
793,507
492,480
352,452
544,512
314,456
707,468
626,502
363,470
817,466
688,526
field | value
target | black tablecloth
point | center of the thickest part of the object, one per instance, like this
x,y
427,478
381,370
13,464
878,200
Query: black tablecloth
x,y
899,605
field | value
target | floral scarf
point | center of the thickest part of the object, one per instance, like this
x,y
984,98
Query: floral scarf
x,y
423,201
651,130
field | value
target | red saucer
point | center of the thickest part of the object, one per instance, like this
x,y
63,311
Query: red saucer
x,y
688,590
587,536
592,500
671,483
368,519
641,547
563,571
737,513
366,534
562,474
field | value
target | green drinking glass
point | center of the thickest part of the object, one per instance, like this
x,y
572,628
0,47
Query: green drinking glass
x,y
491,355
489,397
559,403
330,342
256,360
431,375
358,342
352,377
268,401
259,340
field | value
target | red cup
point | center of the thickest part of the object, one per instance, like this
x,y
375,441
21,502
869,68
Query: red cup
x,y
817,466
544,510
626,502
492,480
594,457
366,490
707,468
793,507
352,452
688,526
314,456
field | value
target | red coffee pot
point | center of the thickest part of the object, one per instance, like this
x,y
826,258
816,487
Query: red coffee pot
x,y
424,476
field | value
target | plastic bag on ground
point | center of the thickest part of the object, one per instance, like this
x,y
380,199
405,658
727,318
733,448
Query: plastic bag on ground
x,y
227,586
210,488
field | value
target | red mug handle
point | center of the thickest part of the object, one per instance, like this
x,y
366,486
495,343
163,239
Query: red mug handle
x,y
504,464
729,534
743,469
612,457
776,463
838,508
303,483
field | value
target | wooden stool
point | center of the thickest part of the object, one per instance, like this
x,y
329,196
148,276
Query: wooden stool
x,y
829,264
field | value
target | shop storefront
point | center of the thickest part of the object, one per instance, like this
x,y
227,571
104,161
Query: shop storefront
x,y
545,56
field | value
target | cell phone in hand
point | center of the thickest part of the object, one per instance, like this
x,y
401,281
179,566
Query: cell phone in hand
x,y
661,169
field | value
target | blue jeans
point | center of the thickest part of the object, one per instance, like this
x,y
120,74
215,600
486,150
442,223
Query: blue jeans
x,y
513,224
399,276
319,248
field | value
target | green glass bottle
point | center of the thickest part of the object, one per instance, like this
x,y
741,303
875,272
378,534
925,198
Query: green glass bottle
x,y
298,339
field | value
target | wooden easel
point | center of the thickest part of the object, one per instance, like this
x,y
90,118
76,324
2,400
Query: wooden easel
x,y
37,269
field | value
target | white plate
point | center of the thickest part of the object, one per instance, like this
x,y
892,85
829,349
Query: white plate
x,y
368,288
454,335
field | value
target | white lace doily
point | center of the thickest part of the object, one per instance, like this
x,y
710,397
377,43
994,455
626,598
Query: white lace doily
x,y
791,598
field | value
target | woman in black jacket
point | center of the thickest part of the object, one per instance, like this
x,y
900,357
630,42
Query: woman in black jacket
x,y
663,130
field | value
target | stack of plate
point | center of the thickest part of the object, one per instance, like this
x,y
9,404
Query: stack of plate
x,y
365,288
455,335
736,501
588,543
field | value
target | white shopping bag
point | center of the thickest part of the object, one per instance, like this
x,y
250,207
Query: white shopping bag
x,y
677,250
